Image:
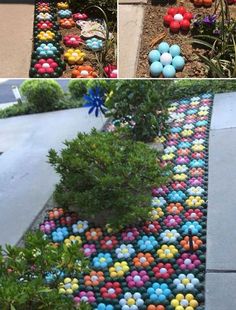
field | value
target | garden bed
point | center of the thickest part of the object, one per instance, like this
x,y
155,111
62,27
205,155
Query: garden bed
x,y
154,27
53,60
158,264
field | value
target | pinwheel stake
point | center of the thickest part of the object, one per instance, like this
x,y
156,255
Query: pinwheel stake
x,y
95,101
190,240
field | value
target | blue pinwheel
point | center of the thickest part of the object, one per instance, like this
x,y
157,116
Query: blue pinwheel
x,y
95,100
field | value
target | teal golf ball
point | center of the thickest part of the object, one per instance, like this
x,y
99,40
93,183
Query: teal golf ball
x,y
163,47
178,62
174,50
156,68
169,71
154,55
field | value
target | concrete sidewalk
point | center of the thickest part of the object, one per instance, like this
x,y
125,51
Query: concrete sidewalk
x,y
131,15
221,232
16,23
26,179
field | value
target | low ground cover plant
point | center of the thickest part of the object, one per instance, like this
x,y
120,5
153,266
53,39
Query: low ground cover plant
x,y
24,272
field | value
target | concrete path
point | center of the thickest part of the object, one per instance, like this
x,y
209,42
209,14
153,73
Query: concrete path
x,y
16,24
131,14
221,224
26,179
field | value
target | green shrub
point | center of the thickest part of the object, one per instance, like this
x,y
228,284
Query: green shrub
x,y
106,85
188,88
23,271
77,88
42,95
107,178
146,102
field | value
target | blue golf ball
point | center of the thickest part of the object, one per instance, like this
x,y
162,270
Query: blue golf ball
x,y
169,71
178,62
163,47
154,55
156,68
174,50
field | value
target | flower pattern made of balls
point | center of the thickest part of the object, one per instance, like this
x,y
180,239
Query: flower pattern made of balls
x,y
175,208
83,296
188,261
47,65
169,156
188,282
109,242
103,260
119,269
172,220
130,234
182,160
143,260
62,5
158,202
125,251
194,226
44,16
85,72
47,227
45,25
111,71
46,35
72,240
179,185
170,236
162,190
60,234
80,16
43,7
163,271
176,196
111,290
64,13
158,292
151,227
102,306
147,243
185,243
68,286
94,44
193,214
167,251
137,278
180,169
93,234
194,201
166,60
74,56
131,301
72,40
47,50
94,278
178,19
156,213
195,191
196,172
89,249
182,302
180,177
67,23
80,227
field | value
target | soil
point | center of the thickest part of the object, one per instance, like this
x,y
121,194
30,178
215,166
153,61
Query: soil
x,y
153,26
90,58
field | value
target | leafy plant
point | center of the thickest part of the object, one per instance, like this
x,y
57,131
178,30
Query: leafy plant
x,y
77,88
42,95
220,57
107,178
23,270
145,103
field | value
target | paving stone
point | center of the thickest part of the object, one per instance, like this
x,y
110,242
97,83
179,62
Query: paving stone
x,y
26,179
221,232
224,111
220,293
130,33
